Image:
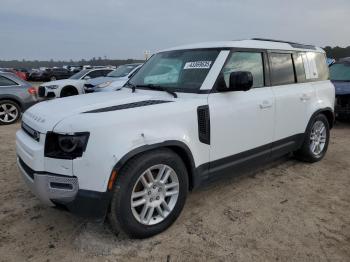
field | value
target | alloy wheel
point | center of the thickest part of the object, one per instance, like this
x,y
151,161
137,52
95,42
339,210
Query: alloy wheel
x,y
155,194
318,138
8,113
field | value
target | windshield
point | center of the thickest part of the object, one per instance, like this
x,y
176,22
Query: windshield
x,y
79,75
182,71
340,72
122,71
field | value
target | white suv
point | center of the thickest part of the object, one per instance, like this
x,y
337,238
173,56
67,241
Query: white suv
x,y
134,154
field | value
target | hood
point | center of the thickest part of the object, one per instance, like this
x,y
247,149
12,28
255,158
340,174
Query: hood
x,y
46,115
61,82
341,87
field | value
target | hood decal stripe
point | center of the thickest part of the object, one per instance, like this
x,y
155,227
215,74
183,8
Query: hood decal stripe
x,y
127,106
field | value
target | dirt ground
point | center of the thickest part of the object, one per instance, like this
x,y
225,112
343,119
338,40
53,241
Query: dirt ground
x,y
290,212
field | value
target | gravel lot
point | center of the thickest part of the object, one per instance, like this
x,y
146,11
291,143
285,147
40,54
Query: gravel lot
x,y
289,212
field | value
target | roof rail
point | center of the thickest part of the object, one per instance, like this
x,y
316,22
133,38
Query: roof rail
x,y
293,44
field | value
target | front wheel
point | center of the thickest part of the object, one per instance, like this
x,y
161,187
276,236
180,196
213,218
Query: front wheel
x,y
149,194
316,140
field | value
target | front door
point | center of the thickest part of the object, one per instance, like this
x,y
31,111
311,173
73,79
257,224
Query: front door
x,y
242,122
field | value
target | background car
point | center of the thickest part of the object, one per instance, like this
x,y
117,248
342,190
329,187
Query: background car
x,y
50,74
72,86
18,73
16,96
340,76
117,77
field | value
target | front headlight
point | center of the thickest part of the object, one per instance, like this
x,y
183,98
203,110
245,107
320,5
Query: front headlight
x,y
105,84
65,146
52,87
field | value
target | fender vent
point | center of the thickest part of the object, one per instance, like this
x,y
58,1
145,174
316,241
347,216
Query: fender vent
x,y
127,106
203,124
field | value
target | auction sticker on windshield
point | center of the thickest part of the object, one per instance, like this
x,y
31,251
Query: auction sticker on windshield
x,y
198,65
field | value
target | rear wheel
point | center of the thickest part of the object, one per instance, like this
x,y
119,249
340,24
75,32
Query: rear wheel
x,y
9,112
149,194
316,141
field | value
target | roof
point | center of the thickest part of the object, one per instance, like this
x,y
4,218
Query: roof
x,y
259,44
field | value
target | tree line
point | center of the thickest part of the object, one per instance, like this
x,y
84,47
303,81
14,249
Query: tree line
x,y
337,52
51,63
332,52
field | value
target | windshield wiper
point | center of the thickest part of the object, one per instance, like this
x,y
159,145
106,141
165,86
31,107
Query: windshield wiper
x,y
159,88
133,87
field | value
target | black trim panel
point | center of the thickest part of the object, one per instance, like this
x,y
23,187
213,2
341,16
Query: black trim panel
x,y
203,115
246,161
128,106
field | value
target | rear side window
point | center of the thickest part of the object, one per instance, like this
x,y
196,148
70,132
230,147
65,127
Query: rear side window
x,y
6,82
321,65
245,61
282,70
299,67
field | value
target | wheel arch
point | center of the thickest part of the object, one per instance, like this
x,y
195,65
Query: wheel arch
x,y
179,148
13,99
328,112
68,87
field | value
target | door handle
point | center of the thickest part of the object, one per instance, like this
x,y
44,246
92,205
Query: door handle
x,y
305,97
265,104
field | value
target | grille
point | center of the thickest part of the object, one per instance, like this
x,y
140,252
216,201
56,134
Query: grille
x,y
203,124
127,106
41,91
88,85
31,132
343,104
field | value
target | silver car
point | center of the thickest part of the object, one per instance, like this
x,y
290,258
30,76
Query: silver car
x,y
16,95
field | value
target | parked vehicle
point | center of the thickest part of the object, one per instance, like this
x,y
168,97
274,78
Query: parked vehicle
x,y
113,80
135,153
50,74
340,76
72,86
16,96
20,74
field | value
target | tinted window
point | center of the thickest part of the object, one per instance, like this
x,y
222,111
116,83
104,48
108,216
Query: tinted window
x,y
105,72
340,72
6,82
245,61
299,67
321,65
282,70
96,73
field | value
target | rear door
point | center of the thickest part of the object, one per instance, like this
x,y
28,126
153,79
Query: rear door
x,y
292,97
242,123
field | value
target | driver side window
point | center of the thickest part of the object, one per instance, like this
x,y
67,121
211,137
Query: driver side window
x,y
245,61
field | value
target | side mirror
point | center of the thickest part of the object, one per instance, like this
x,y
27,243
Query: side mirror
x,y
87,77
239,81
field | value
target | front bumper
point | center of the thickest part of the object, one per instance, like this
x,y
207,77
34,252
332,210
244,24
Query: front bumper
x,y
44,92
59,190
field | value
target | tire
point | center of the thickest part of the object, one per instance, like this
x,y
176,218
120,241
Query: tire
x,y
123,216
68,91
315,145
10,112
53,78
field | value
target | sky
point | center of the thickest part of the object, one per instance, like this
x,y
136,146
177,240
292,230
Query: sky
x,y
121,29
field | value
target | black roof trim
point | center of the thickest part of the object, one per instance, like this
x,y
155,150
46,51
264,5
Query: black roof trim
x,y
292,44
